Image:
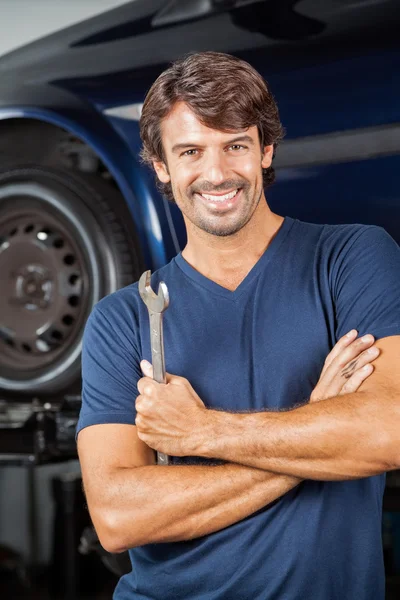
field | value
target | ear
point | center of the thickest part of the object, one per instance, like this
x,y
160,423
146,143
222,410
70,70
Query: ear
x,y
267,156
162,171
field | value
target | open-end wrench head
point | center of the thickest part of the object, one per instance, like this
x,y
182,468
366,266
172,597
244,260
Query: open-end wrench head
x,y
155,302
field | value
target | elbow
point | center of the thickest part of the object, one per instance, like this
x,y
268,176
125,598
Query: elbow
x,y
108,533
111,542
111,545
395,456
113,537
389,448
392,448
117,536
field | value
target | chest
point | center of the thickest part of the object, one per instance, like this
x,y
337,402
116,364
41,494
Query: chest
x,y
262,350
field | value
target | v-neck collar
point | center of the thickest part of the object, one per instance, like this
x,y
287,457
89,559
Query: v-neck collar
x,y
264,259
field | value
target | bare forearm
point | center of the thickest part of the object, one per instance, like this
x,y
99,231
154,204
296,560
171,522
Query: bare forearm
x,y
345,437
173,503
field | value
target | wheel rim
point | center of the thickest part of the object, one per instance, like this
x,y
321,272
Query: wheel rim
x,y
51,279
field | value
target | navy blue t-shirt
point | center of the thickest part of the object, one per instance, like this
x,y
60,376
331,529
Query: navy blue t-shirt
x,y
260,347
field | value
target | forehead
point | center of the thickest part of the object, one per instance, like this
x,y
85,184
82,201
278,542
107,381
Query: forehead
x,y
182,125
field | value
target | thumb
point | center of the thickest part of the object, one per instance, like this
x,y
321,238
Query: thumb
x,y
146,368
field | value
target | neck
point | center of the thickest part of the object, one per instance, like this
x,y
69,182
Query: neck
x,y
227,260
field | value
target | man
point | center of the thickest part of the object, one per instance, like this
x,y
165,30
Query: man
x,y
271,497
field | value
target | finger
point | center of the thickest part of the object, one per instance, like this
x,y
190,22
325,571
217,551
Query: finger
x,y
138,403
147,368
144,406
336,375
360,361
340,345
145,385
348,354
355,381
344,374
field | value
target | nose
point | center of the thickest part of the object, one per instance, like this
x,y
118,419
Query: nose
x,y
215,168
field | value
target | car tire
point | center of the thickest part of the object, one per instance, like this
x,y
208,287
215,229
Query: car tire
x,y
66,240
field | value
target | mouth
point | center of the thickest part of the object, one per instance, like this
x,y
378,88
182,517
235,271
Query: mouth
x,y
220,201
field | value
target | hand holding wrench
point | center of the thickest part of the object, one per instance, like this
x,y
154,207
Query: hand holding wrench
x,y
156,305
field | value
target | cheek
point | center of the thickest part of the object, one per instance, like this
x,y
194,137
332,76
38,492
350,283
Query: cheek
x,y
184,176
251,173
248,166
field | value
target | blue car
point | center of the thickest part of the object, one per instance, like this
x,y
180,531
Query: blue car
x,y
80,216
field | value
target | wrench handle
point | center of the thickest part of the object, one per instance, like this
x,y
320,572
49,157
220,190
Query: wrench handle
x,y
157,347
158,361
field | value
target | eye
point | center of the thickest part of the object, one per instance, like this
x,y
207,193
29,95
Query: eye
x,y
237,147
191,152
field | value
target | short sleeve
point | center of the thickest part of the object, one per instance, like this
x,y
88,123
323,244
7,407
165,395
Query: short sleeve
x,y
367,284
110,372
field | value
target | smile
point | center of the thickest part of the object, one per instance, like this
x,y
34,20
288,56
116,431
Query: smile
x,y
220,198
221,201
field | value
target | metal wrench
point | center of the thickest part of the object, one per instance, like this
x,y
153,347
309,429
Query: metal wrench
x,y
156,305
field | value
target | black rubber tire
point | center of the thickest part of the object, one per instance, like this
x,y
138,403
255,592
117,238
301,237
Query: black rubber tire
x,y
112,247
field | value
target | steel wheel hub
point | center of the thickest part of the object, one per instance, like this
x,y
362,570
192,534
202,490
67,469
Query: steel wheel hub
x,y
43,276
33,286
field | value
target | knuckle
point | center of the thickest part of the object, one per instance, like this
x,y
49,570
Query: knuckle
x,y
345,355
341,357
351,384
178,380
366,339
354,382
364,359
144,406
372,352
355,348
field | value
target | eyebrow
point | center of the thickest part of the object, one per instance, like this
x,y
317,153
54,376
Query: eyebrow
x,y
240,138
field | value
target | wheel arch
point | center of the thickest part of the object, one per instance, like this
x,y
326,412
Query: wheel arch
x,y
116,156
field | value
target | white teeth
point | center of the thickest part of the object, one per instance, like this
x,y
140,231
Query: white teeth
x,y
220,198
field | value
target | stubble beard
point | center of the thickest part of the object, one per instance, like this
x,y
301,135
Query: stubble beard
x,y
211,226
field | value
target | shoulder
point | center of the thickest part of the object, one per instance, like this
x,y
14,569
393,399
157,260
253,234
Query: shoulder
x,y
124,300
354,233
365,244
127,300
335,233
121,310
339,239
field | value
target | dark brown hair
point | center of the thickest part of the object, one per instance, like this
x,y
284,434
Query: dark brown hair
x,y
224,92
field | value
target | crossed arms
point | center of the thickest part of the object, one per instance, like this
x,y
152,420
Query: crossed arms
x,y
133,501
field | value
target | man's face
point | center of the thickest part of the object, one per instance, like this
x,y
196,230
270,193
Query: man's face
x,y
216,177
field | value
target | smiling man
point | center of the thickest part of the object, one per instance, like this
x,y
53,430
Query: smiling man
x,y
269,496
